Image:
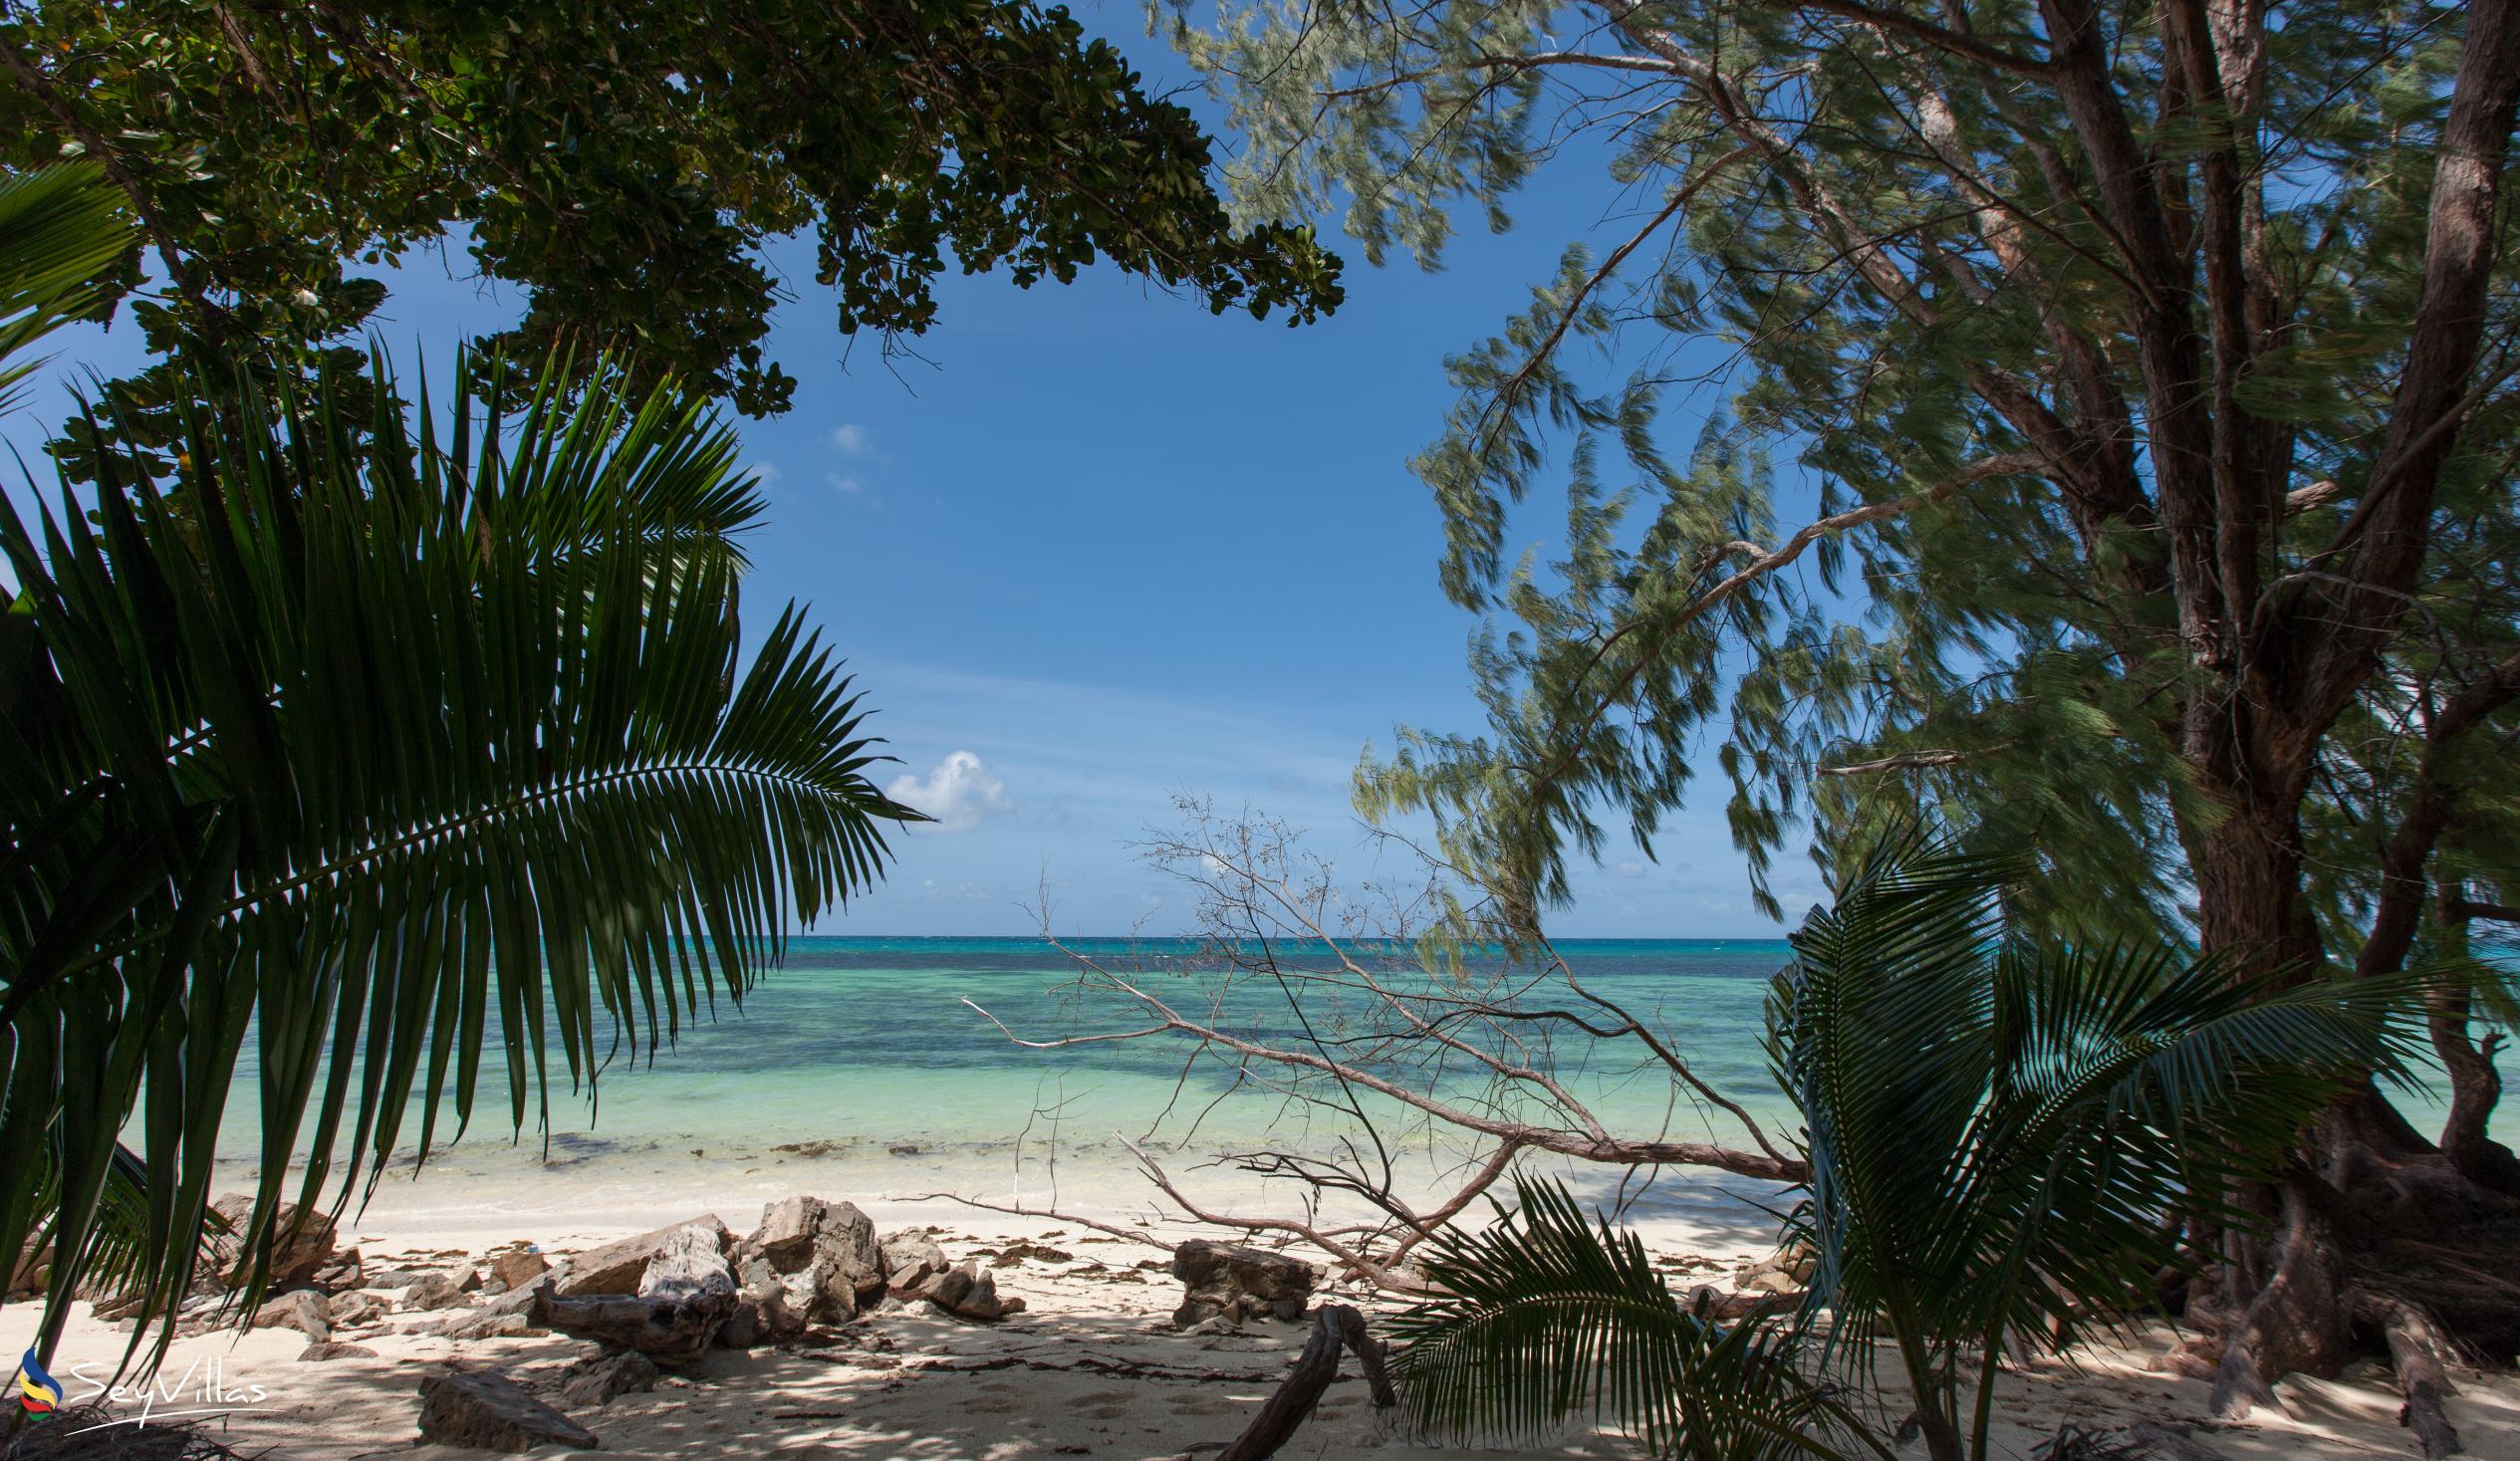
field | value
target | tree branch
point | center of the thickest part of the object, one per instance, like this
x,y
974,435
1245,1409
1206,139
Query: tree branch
x,y
1761,565
2461,909
1966,47
2391,524
1906,761
1502,403
2430,804
216,321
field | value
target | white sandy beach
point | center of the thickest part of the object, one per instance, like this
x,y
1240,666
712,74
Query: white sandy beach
x,y
1092,1367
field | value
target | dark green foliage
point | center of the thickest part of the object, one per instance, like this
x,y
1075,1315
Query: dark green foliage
x,y
2005,1134
384,760
2002,1134
1907,272
1547,1319
65,228
627,163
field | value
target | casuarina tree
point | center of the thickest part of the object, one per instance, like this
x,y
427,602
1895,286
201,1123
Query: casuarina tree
x,y
2115,459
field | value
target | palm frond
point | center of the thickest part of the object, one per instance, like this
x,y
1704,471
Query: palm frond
x,y
558,473
2007,1134
1545,1319
61,228
383,759
118,1240
1878,1033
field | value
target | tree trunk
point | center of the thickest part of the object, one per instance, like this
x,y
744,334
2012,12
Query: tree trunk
x,y
2377,1208
2248,881
2476,1089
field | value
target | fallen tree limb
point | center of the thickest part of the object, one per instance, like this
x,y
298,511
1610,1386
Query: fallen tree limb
x,y
1717,1304
1406,1047
1087,1364
1335,1327
1114,1229
1354,1261
2420,1354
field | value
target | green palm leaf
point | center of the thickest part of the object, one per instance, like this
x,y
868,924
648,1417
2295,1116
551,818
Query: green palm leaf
x,y
60,229
1546,1317
381,760
2008,1135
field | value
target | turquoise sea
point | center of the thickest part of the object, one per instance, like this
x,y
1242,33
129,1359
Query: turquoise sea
x,y
876,1041
865,1057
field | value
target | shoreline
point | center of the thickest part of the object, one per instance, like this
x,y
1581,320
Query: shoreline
x,y
1092,1367
509,1193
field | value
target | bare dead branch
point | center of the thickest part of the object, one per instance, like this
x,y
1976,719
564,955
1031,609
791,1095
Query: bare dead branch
x,y
1358,1263
1014,1210
1412,1053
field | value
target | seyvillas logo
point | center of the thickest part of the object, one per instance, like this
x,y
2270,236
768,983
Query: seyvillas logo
x,y
202,1388
37,1392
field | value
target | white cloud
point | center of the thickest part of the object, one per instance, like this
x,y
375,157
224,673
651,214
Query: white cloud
x,y
844,484
1628,868
961,793
768,473
850,439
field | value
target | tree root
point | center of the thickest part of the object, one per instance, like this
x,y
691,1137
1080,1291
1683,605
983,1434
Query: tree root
x,y
2297,1321
2337,1278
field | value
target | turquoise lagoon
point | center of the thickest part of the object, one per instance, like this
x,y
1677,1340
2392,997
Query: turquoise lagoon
x,y
863,1064
876,1042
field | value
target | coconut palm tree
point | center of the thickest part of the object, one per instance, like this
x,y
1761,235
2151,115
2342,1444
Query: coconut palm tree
x,y
2005,1139
60,231
381,743
1547,1316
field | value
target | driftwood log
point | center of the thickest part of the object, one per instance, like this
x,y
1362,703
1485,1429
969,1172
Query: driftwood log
x,y
686,1293
1335,1327
1708,1302
2420,1353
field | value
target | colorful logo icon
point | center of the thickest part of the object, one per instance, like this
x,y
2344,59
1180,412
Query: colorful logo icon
x,y
37,1392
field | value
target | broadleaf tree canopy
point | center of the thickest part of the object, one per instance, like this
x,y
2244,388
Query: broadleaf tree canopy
x,y
2151,364
626,163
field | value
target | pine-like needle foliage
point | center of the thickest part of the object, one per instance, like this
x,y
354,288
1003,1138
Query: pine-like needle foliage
x,y
2058,475
386,760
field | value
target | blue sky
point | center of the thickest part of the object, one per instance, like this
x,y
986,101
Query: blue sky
x,y
1107,549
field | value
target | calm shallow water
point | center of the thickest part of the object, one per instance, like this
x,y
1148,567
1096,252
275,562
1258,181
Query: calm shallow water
x,y
860,1046
865,1050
